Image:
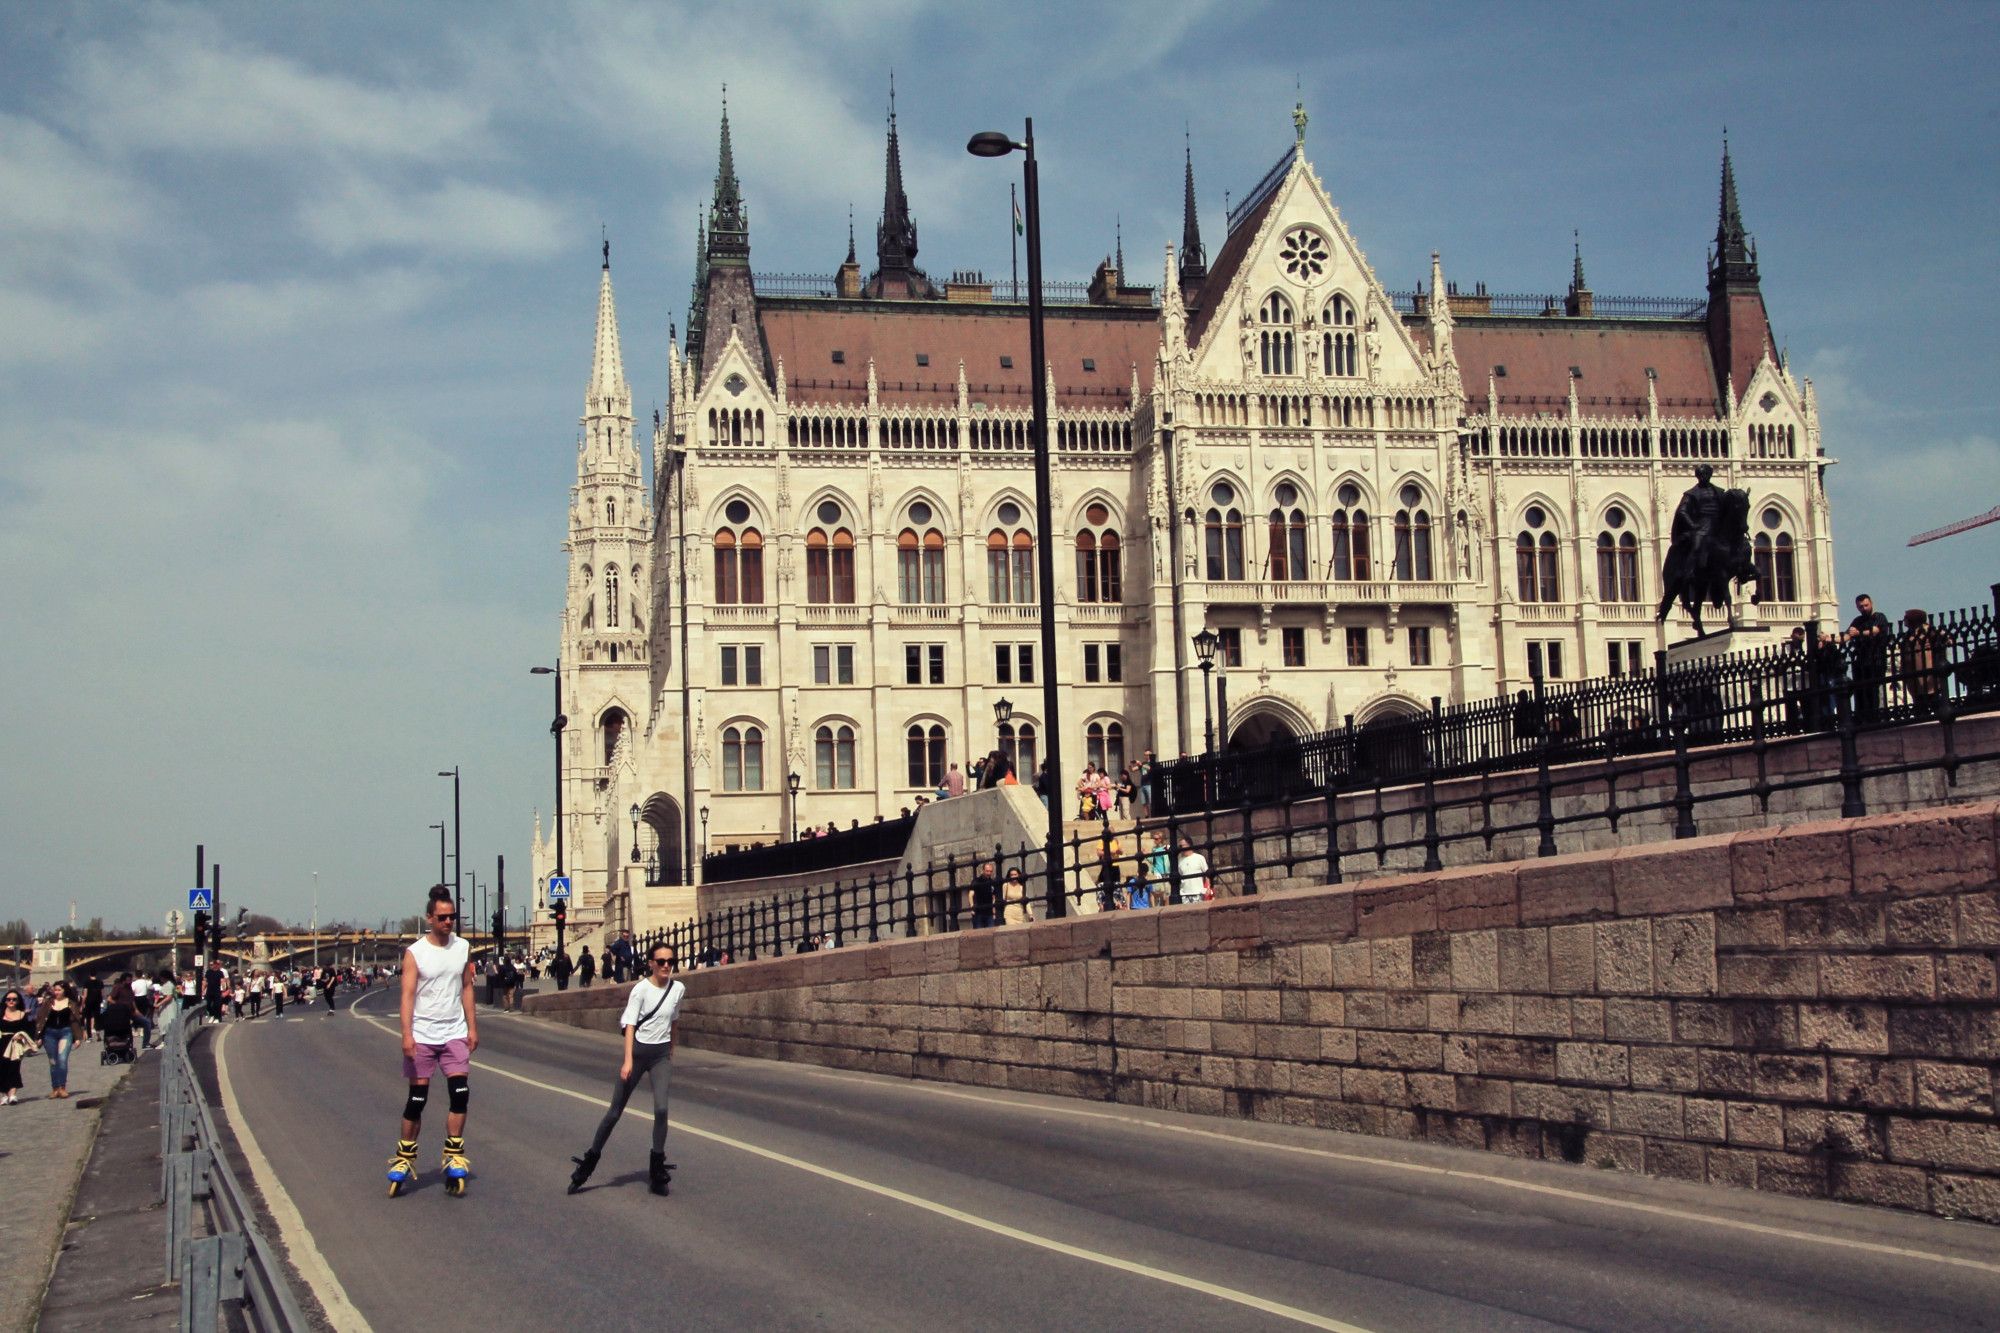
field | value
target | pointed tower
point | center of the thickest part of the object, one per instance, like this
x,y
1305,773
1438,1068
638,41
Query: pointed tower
x,y
1194,259
897,277
1579,301
1738,325
725,297
610,518
847,281
1444,355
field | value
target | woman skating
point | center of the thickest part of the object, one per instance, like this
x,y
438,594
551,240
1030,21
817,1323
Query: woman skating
x,y
648,1023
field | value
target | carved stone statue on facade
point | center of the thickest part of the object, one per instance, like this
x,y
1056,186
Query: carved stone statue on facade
x,y
1709,550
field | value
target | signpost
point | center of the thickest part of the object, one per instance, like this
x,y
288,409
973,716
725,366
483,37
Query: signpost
x,y
558,888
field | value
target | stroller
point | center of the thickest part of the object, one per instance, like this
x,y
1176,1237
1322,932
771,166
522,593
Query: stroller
x,y
114,1028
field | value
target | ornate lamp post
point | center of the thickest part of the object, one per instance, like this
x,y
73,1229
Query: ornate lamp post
x,y
704,831
635,833
992,143
792,786
1003,712
1204,652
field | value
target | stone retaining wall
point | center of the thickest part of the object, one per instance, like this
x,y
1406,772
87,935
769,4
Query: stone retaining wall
x,y
1810,1010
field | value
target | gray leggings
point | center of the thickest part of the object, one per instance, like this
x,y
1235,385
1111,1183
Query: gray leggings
x,y
648,1060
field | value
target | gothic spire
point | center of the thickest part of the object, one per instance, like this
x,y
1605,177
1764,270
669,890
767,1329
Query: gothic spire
x,y
1194,260
728,219
1735,252
607,365
1118,231
896,237
1576,282
850,235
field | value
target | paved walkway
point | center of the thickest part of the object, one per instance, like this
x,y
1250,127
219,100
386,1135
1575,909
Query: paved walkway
x,y
43,1146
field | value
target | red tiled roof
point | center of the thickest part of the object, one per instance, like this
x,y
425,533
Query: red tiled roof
x,y
806,333
1235,249
1613,357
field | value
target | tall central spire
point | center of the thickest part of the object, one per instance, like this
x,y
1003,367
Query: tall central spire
x,y
1194,259
897,276
728,219
1735,252
609,395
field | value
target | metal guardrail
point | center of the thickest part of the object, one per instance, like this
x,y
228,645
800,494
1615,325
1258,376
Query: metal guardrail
x,y
230,1266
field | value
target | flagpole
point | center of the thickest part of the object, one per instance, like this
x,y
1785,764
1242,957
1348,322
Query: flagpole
x,y
1014,238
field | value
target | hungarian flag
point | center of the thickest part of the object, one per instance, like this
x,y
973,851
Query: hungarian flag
x,y
1019,228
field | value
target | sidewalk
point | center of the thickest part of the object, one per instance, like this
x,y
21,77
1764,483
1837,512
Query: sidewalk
x,y
43,1146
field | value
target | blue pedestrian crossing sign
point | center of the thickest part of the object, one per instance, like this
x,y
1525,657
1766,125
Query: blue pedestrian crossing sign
x,y
558,887
199,900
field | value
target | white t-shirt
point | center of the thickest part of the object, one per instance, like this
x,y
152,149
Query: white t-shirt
x,y
141,988
1193,868
438,1015
187,987
660,1027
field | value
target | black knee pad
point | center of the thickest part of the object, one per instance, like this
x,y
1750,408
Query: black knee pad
x,y
461,1092
413,1109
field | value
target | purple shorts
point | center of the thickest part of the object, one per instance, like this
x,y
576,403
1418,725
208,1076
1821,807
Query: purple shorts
x,y
451,1058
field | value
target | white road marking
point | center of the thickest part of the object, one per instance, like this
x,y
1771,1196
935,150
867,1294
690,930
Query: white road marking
x,y
1231,1294
305,1255
1417,1168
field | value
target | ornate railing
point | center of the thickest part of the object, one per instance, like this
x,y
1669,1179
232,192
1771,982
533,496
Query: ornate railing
x,y
855,846
1542,303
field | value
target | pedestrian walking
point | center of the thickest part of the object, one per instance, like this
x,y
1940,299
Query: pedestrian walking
x,y
142,1007
56,1020
328,979
1191,882
93,1006
17,1039
985,890
561,969
440,1033
586,968
648,1025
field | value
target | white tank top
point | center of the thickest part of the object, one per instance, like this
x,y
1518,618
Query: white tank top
x,y
438,1015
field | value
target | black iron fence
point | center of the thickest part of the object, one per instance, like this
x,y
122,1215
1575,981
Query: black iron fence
x,y
1651,755
844,847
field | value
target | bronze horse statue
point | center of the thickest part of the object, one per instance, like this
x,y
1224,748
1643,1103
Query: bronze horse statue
x,y
1709,553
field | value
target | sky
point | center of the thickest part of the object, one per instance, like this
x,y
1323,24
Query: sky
x,y
296,307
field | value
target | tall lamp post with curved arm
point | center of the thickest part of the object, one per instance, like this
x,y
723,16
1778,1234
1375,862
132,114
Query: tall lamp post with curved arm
x,y
992,143
1204,653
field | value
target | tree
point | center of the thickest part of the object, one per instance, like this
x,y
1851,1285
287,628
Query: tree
x,y
16,931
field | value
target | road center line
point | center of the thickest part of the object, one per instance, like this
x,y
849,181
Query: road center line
x,y
305,1255
1416,1168
1231,1294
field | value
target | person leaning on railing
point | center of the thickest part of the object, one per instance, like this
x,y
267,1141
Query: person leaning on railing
x,y
1923,661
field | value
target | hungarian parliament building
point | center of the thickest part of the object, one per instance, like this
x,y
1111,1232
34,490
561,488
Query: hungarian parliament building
x,y
827,577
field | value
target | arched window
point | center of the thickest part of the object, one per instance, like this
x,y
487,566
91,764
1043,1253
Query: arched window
x,y
611,597
1104,746
1286,535
1776,559
833,757
1275,337
1337,344
1535,572
1617,558
1350,535
829,559
1224,534
1010,558
1017,742
739,559
742,758
920,563
1098,577
926,746
612,724
611,512
1413,537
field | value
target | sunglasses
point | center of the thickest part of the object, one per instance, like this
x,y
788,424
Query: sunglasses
x,y
444,916
661,962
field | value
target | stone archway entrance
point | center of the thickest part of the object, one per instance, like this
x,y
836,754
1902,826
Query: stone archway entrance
x,y
1265,759
1389,747
660,843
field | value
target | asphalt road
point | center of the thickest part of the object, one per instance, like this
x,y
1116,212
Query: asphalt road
x,y
811,1198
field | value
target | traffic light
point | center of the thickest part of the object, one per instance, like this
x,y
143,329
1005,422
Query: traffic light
x,y
200,931
560,911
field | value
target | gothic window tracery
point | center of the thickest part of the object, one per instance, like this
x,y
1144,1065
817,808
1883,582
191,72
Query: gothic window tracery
x,y
1104,745
611,597
739,559
1275,339
833,757
925,743
1617,558
830,559
1223,533
1017,742
1287,536
1098,575
1350,536
1413,537
1536,575
1776,559
1010,558
1339,347
1304,254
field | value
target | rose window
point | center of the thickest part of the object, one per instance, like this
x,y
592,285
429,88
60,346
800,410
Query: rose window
x,y
1304,253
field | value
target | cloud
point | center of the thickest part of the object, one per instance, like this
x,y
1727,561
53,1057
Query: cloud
x,y
185,86
458,217
50,188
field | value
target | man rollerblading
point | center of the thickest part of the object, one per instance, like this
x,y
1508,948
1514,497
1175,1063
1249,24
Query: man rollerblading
x,y
648,1024
440,1033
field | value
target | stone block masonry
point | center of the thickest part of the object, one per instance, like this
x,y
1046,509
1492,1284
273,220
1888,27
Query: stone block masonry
x,y
1812,1010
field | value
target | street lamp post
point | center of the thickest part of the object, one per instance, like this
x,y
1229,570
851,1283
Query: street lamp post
x,y
1003,713
441,881
992,143
635,833
792,786
457,850
1204,652
704,832
556,731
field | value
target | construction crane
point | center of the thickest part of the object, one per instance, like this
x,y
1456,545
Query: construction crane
x,y
1963,525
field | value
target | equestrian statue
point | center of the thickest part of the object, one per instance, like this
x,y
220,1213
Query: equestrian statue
x,y
1709,549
